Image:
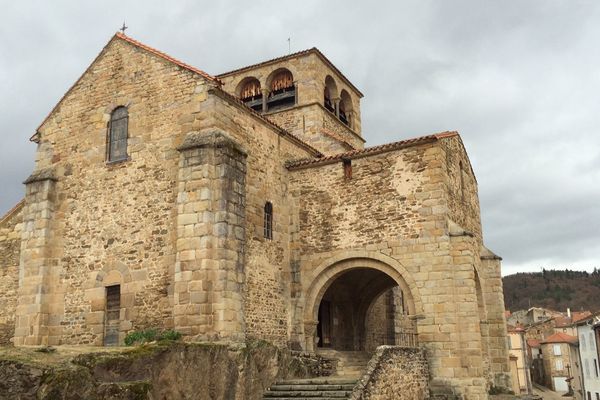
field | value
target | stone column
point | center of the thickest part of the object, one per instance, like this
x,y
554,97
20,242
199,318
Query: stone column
x,y
265,97
350,116
496,320
336,106
38,262
295,93
209,269
467,359
310,335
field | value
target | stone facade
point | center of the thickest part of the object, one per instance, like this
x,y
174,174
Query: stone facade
x,y
179,228
10,243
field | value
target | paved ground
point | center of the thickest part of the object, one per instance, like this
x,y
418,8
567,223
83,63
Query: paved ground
x,y
548,394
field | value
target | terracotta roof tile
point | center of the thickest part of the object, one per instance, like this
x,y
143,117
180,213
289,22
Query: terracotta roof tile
x,y
294,55
580,315
533,343
560,337
369,150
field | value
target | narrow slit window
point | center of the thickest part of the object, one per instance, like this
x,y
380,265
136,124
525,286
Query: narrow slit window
x,y
268,225
117,135
462,181
347,168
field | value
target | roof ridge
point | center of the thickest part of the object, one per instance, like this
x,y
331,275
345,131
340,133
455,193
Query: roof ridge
x,y
167,57
293,55
134,42
275,59
373,149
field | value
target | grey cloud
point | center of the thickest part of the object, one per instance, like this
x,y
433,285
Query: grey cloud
x,y
519,80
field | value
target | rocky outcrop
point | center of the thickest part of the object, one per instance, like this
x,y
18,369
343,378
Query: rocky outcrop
x,y
158,371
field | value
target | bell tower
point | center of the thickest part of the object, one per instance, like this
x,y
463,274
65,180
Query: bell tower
x,y
305,94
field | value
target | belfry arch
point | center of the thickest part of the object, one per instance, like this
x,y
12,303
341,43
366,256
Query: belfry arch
x,y
343,293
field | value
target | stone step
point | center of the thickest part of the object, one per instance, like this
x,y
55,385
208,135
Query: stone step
x,y
324,388
306,398
321,387
326,380
309,394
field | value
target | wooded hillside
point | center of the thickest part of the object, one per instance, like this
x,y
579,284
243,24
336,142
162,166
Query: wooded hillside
x,y
553,289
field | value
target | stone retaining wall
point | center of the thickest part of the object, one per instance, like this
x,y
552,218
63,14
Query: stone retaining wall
x,y
399,373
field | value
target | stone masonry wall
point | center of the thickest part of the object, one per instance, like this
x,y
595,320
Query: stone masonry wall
x,y
267,262
393,212
10,246
394,373
463,201
115,223
316,125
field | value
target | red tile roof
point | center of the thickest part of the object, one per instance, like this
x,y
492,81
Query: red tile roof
x,y
290,56
134,42
561,322
560,337
580,315
533,343
369,150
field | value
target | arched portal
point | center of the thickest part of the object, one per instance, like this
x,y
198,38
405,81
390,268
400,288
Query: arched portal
x,y
359,304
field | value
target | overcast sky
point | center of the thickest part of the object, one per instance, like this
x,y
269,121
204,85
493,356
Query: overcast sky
x,y
520,81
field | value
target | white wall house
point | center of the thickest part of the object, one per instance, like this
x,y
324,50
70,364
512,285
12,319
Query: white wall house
x,y
589,357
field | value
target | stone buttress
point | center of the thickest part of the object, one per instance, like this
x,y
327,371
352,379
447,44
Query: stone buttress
x,y
209,269
38,262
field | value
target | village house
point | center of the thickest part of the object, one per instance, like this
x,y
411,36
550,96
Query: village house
x,y
588,331
561,362
519,360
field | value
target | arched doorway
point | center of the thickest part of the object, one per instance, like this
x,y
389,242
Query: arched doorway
x,y
357,305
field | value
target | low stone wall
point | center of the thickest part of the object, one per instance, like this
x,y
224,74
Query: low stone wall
x,y
395,372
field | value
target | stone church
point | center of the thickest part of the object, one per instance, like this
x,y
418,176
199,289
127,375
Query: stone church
x,y
246,205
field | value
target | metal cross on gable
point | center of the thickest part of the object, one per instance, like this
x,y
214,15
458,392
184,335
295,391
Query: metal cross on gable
x,y
123,28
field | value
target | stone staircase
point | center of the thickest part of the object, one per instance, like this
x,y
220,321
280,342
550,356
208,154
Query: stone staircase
x,y
351,365
325,388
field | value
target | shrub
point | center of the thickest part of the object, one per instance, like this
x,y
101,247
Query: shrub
x,y
170,335
150,335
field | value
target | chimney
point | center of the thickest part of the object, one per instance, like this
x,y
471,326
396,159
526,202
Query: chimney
x,y
568,312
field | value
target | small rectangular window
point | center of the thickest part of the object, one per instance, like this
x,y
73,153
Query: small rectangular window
x,y
557,350
596,367
559,365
